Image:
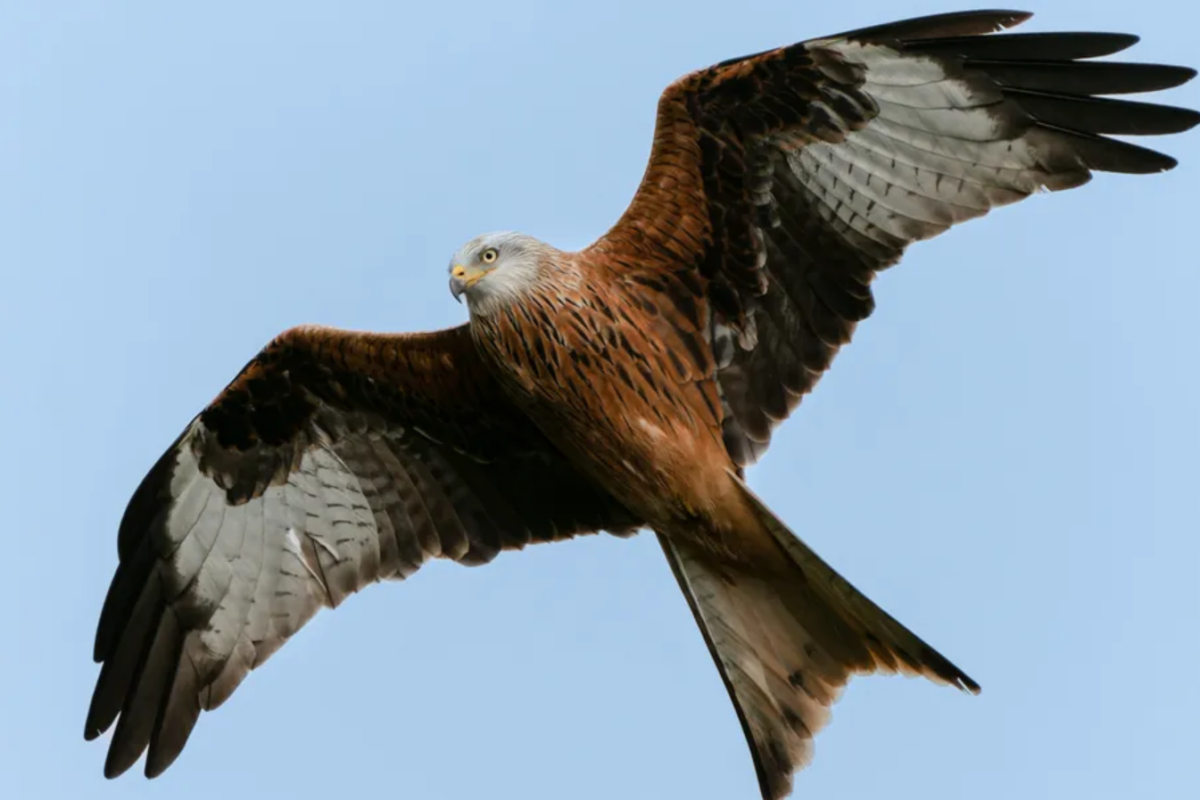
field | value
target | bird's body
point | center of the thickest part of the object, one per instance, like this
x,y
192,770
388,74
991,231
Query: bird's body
x,y
592,379
624,386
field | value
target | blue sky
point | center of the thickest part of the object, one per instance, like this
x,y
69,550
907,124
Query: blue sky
x,y
1005,458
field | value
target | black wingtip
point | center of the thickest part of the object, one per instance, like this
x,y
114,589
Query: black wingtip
x,y
1188,118
1026,46
117,764
1120,41
1014,18
954,24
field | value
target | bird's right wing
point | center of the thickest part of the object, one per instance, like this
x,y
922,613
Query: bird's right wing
x,y
335,459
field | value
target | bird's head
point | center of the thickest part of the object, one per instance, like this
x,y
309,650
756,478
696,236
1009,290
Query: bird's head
x,y
495,266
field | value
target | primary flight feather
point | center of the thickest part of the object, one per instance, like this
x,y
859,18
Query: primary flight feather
x,y
621,387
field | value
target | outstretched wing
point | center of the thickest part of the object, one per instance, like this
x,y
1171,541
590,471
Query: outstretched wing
x,y
334,459
780,183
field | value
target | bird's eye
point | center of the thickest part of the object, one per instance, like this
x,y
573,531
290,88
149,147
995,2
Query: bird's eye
x,y
489,256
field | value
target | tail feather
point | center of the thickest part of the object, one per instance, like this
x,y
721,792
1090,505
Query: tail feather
x,y
786,641
894,647
760,651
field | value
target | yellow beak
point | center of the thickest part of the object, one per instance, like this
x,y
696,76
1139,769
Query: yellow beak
x,y
462,279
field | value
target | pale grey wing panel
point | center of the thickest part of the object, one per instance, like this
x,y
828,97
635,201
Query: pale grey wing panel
x,y
215,586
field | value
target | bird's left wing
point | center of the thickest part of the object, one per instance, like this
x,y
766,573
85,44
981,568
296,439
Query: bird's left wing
x,y
779,184
333,460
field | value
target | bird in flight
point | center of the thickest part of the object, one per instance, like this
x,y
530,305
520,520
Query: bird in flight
x,y
624,386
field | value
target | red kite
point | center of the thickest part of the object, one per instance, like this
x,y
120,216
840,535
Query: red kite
x,y
621,387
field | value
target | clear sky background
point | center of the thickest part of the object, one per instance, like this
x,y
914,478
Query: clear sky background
x,y
1005,458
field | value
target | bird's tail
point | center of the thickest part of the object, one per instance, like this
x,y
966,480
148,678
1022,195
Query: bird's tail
x,y
787,638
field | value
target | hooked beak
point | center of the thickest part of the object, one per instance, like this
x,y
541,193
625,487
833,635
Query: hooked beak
x,y
461,280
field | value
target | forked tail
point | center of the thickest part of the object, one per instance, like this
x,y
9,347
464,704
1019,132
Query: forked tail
x,y
787,640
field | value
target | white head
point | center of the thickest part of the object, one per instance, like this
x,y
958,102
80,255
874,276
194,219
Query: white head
x,y
496,267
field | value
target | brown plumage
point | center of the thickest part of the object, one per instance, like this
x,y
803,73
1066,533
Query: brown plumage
x,y
624,386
